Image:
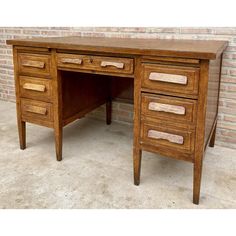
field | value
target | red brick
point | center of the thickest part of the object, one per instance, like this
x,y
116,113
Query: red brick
x,y
229,63
196,31
225,30
231,48
230,118
228,79
232,72
13,31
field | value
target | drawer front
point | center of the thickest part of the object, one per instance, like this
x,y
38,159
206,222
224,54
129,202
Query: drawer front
x,y
176,79
171,137
35,88
95,63
34,111
34,64
169,108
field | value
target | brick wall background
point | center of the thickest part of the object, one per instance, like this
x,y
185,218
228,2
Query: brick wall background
x,y
226,131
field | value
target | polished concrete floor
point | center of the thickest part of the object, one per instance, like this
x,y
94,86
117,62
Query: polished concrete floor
x,y
96,171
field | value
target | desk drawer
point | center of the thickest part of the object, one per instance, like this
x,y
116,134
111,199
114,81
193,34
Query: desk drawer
x,y
167,136
168,78
95,63
36,111
34,64
35,88
169,108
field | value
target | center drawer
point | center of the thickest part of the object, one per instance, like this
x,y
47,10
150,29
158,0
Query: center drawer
x,y
95,63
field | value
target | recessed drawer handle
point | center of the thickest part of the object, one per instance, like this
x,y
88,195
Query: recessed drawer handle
x,y
35,64
34,87
169,78
173,138
76,61
119,65
36,110
155,106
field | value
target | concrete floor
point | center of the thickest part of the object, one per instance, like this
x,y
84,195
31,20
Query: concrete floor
x,y
96,171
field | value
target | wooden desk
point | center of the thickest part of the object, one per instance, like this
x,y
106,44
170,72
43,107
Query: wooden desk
x,y
174,85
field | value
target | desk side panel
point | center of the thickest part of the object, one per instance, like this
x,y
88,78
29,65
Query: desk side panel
x,y
81,93
212,97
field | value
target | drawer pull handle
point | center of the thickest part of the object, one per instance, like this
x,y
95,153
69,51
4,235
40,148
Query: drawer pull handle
x,y
34,87
155,106
35,64
36,110
169,78
173,138
119,65
76,61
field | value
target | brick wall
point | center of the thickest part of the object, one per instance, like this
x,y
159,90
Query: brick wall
x,y
226,131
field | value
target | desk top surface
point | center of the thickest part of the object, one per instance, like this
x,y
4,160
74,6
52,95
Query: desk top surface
x,y
201,49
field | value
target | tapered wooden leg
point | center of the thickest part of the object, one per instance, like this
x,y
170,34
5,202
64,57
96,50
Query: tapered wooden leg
x,y
197,181
58,142
108,111
213,136
137,158
22,134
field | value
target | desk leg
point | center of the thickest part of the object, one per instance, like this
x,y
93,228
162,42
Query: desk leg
x,y
57,106
197,180
22,134
58,131
213,136
137,152
137,158
108,111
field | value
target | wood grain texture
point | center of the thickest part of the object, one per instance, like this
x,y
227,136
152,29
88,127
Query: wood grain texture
x,y
166,134
155,106
36,111
76,61
119,65
168,78
57,105
179,79
173,138
21,124
137,150
200,49
212,97
35,88
173,84
200,130
169,108
171,60
34,64
82,92
95,63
